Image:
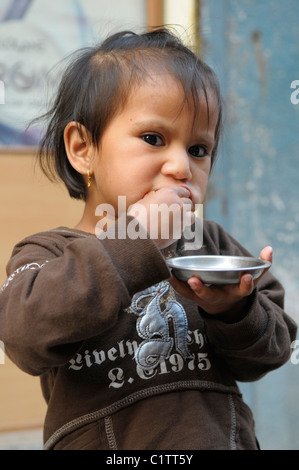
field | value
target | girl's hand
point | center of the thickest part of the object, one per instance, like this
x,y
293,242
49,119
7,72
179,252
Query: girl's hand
x,y
165,213
228,300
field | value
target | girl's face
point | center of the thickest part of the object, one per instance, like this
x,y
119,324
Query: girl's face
x,y
152,143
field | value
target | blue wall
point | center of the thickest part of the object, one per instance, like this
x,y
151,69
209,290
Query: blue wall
x,y
253,46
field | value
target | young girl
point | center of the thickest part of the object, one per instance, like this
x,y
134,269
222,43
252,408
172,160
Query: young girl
x,y
130,357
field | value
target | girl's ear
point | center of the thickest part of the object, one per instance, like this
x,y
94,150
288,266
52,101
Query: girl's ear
x,y
78,147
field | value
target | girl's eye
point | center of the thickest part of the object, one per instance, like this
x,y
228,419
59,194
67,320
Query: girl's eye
x,y
198,151
153,139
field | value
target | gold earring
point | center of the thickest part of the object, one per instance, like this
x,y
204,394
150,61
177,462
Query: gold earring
x,y
88,179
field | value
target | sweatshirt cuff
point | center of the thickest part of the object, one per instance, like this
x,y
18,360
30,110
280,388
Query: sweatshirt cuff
x,y
239,335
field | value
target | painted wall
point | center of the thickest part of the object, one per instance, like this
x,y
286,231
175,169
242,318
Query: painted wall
x,y
253,47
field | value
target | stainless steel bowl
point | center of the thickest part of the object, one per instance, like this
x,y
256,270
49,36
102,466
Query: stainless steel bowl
x,y
216,269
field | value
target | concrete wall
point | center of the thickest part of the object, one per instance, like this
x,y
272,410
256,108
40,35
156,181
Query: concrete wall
x,y
253,193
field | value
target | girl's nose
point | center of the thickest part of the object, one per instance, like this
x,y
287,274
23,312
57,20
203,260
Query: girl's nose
x,y
177,165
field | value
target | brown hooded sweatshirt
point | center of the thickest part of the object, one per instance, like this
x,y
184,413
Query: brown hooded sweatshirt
x,y
124,361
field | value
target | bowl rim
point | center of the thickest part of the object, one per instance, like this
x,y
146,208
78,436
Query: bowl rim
x,y
261,264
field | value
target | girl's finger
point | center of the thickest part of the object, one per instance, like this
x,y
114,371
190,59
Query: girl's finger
x,y
246,285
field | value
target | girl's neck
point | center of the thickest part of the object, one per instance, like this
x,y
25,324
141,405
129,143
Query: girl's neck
x,y
88,221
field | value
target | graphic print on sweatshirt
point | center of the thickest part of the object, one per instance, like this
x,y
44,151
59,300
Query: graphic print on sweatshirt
x,y
156,309
167,347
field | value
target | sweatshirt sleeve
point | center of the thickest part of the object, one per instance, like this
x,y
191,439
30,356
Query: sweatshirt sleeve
x,y
261,341
58,296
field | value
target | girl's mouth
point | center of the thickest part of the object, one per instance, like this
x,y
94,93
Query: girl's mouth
x,y
191,195
149,192
183,186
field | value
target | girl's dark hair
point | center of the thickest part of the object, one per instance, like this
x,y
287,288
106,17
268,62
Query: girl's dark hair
x,y
98,81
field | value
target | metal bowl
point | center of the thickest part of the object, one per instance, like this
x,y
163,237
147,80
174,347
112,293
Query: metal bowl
x,y
216,269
